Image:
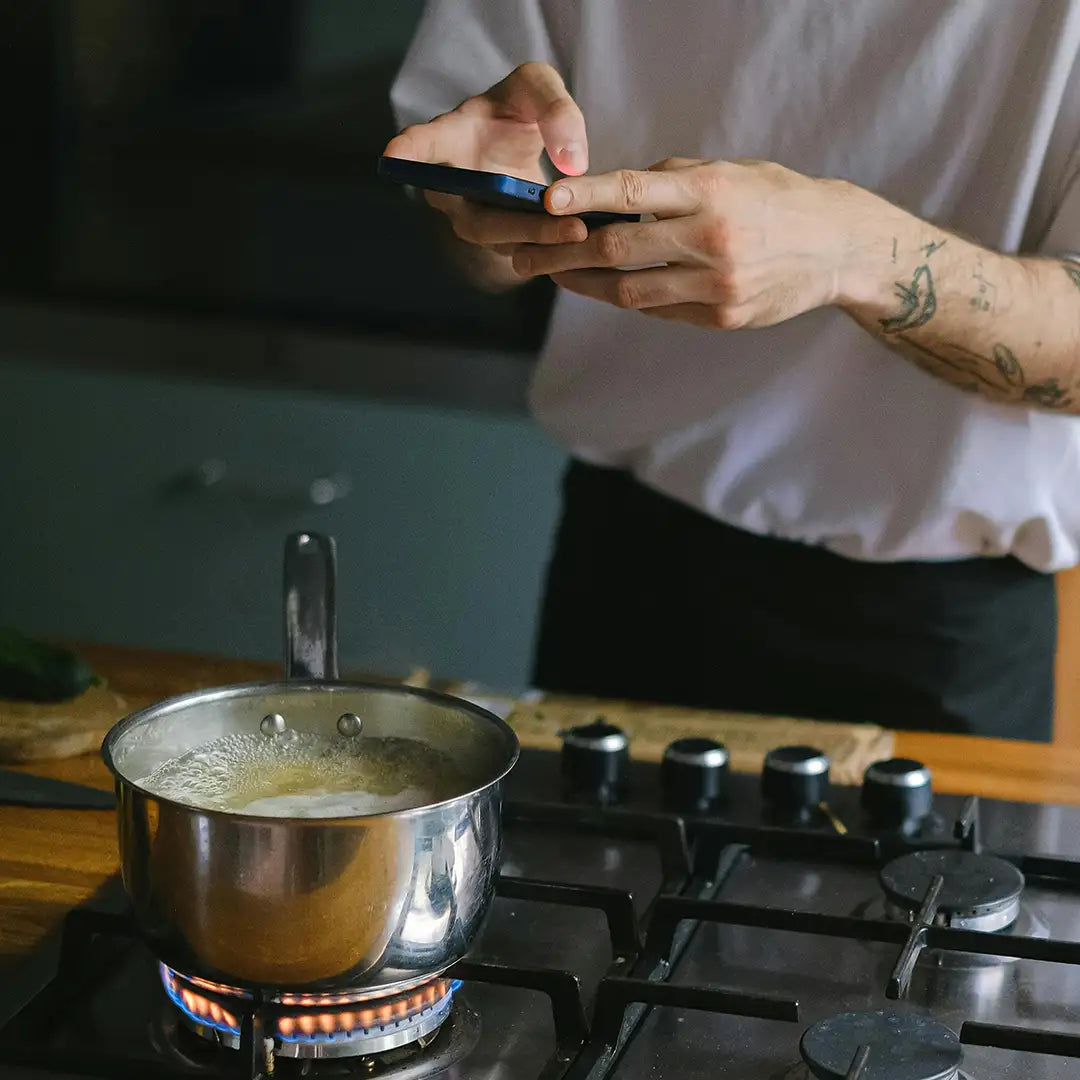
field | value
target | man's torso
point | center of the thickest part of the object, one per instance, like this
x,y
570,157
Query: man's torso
x,y
965,113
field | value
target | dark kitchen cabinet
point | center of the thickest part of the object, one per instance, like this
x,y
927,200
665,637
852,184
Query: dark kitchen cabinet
x,y
195,160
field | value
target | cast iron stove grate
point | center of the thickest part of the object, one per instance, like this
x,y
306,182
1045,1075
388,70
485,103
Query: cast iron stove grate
x,y
589,1042
93,941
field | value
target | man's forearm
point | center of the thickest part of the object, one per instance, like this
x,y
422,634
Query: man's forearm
x,y
1003,326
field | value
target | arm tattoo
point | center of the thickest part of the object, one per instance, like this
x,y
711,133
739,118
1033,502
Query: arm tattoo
x,y
996,372
1008,365
986,297
1047,395
970,371
964,365
918,302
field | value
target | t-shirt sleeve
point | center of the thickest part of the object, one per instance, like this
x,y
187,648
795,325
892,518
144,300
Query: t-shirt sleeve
x,y
461,47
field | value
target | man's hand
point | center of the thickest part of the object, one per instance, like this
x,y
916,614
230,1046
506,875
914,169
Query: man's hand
x,y
742,243
752,244
504,130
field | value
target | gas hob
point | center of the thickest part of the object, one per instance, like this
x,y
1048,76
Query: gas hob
x,y
652,923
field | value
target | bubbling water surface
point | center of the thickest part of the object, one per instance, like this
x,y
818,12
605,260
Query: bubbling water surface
x,y
304,774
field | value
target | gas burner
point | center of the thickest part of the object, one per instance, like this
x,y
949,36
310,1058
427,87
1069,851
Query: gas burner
x,y
981,892
180,1042
317,1026
897,1046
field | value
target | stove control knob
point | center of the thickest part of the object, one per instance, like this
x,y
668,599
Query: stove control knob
x,y
795,781
897,794
594,758
693,774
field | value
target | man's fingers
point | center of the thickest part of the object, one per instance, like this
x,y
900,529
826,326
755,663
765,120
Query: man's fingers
x,y
533,93
448,204
489,226
669,163
641,289
536,93
611,246
669,194
709,316
484,225
442,141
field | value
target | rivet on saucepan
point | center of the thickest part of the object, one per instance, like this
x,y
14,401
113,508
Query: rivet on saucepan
x,y
272,724
349,724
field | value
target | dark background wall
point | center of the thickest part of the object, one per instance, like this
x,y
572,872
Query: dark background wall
x,y
217,326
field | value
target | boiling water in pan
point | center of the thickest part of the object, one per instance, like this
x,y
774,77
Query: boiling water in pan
x,y
303,774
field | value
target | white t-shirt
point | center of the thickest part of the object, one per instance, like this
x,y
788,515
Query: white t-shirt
x,y
965,112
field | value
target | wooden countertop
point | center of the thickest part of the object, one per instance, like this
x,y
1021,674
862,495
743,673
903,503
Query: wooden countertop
x,y
51,860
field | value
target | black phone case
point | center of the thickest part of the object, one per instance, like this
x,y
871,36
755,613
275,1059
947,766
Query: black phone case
x,y
491,189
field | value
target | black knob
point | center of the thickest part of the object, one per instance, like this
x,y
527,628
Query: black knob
x,y
897,794
794,782
694,775
594,758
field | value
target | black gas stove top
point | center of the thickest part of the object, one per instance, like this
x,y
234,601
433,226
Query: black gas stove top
x,y
880,935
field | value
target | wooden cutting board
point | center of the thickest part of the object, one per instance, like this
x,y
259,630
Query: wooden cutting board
x,y
134,678
850,747
31,731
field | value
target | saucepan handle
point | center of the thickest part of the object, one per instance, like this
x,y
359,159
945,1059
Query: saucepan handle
x,y
310,607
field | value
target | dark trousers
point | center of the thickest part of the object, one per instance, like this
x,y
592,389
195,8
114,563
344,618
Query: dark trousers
x,y
650,600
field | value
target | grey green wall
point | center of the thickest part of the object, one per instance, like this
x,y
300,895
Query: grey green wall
x,y
442,541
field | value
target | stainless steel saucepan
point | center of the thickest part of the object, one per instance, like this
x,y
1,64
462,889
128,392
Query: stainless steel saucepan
x,y
379,901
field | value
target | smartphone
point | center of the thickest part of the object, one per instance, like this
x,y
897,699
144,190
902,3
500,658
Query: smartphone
x,y
492,189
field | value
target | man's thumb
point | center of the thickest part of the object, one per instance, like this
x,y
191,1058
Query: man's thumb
x,y
536,92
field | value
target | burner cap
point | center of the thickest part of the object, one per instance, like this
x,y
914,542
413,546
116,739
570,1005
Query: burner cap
x,y
902,1047
981,892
